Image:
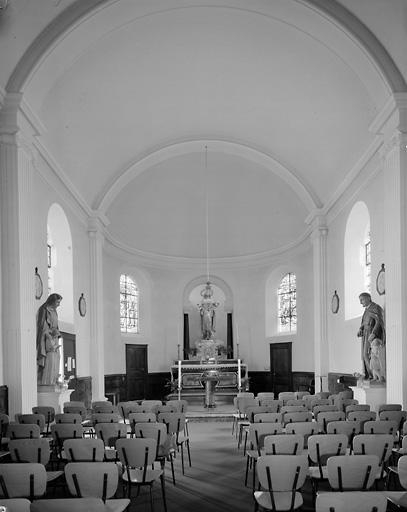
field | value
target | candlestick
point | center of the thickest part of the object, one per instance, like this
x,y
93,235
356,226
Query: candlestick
x,y
179,353
179,379
239,377
237,350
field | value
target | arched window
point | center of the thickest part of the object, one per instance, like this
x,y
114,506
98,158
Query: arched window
x,y
128,304
287,303
368,266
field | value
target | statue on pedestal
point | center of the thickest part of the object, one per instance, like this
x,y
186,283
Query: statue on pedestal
x,y
207,312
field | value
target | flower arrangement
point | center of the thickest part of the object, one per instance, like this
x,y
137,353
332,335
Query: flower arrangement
x,y
63,382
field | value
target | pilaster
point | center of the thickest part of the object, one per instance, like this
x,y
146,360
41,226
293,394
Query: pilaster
x,y
321,353
96,225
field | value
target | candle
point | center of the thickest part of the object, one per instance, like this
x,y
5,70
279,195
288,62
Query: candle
x,y
239,377
179,379
237,342
179,356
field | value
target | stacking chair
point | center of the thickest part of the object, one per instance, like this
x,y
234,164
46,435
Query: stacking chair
x,y
296,417
74,403
67,505
357,407
33,419
109,433
351,501
321,401
4,423
35,451
361,416
349,428
325,417
23,431
399,498
265,395
76,409
297,403
164,408
243,403
121,406
380,445
136,455
283,444
399,417
25,480
308,399
388,407
61,432
85,449
342,403
281,478
49,413
151,403
323,408
286,395
257,409
273,405
175,422
299,395
181,405
352,473
306,429
95,480
293,407
100,403
68,418
104,417
129,409
324,394
392,469
380,427
105,409
16,504
320,448
165,444
268,417
257,434
141,417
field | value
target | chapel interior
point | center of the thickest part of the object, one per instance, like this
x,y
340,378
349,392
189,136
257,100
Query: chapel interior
x,y
177,143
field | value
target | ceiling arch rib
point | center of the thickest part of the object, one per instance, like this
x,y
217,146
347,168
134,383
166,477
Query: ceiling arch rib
x,y
198,146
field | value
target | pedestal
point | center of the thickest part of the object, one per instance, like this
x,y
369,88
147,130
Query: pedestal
x,y
53,396
372,395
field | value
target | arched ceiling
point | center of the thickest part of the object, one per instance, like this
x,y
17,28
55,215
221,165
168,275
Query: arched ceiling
x,y
282,80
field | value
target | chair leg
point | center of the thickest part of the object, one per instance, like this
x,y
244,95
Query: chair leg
x,y
163,492
189,453
247,471
152,496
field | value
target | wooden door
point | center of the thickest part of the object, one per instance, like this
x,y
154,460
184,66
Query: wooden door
x,y
280,367
136,372
68,355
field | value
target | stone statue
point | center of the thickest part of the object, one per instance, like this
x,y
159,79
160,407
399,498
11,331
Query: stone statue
x,y
48,340
371,328
207,312
377,360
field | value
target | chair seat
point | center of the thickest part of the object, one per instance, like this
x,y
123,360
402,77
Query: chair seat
x,y
282,500
399,498
117,505
315,473
53,475
136,476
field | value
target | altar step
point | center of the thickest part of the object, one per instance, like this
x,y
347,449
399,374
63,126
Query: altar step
x,y
197,397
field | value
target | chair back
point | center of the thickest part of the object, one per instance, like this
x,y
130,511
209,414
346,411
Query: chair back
x,y
259,431
33,419
351,501
141,417
325,417
105,417
300,394
100,403
398,416
77,409
352,473
283,444
110,432
306,429
273,405
265,395
25,480
129,409
361,416
308,399
23,431
85,449
175,421
106,409
402,471
74,403
67,505
282,473
357,407
92,479
137,452
4,423
157,409
286,395
349,428
380,445
320,401
342,403
181,405
321,447
15,504
48,412
323,408
30,450
267,417
388,407
296,417
244,402
64,417
121,406
151,403
251,411
62,431
380,427
294,407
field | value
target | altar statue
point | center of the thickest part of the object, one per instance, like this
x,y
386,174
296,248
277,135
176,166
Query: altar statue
x,y
207,312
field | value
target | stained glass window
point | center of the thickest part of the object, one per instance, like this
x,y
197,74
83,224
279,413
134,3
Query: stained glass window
x,y
128,304
287,303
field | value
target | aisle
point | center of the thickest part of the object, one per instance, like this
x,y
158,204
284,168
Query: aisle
x,y
215,483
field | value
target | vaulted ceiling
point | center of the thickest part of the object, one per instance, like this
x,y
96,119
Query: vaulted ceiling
x,y
173,116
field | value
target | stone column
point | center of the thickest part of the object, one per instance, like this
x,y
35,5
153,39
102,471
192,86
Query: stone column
x,y
319,242
96,243
17,261
391,125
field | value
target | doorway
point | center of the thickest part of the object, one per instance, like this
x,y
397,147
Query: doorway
x,y
136,372
68,358
280,367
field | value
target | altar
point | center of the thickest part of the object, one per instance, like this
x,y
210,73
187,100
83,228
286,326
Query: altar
x,y
195,375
